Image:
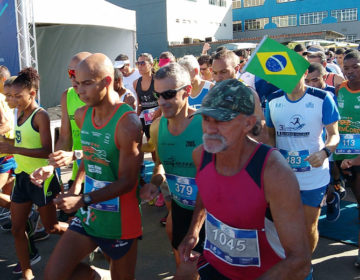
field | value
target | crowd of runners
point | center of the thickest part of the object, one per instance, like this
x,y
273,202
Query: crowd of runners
x,y
242,166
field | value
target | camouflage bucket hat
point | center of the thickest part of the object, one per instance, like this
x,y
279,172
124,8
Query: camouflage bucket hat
x,y
226,100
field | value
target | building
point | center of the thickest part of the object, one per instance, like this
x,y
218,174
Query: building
x,y
162,23
288,20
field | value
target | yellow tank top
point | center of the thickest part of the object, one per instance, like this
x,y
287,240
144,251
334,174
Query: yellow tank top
x,y
27,137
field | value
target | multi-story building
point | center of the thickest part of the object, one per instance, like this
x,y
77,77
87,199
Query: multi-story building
x,y
161,23
255,18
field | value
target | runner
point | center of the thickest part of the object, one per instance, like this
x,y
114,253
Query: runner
x,y
125,94
205,67
108,213
175,136
238,190
295,124
122,63
349,106
200,87
31,148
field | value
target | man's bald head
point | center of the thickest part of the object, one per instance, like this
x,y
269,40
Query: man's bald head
x,y
96,66
77,58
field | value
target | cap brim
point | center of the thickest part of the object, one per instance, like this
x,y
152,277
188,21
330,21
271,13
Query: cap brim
x,y
219,114
119,64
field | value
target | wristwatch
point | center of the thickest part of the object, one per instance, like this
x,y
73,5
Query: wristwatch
x,y
327,151
78,154
86,198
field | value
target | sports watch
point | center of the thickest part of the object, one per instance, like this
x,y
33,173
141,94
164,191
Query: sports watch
x,y
86,198
78,154
327,151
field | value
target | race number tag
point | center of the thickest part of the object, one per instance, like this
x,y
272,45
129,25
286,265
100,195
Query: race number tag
x,y
349,144
111,205
149,115
297,160
182,189
237,247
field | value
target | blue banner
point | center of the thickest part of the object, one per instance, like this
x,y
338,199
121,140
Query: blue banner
x,y
8,36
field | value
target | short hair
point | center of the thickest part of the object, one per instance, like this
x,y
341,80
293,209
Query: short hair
x,y
315,66
242,52
148,57
175,72
355,54
10,81
189,62
118,76
28,78
205,58
299,48
349,51
340,51
121,57
4,72
221,48
227,55
167,55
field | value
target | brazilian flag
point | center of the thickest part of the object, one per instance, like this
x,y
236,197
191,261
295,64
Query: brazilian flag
x,y
277,64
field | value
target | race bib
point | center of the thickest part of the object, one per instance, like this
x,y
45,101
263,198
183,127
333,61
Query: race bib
x,y
237,247
297,160
183,189
149,115
349,144
111,205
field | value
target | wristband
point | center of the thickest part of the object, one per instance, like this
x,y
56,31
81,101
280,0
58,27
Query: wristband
x,y
327,151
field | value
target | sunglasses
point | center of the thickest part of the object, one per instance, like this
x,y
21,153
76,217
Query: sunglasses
x,y
71,74
141,63
168,94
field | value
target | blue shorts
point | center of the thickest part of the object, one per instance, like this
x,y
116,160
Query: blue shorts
x,y
313,197
114,248
7,165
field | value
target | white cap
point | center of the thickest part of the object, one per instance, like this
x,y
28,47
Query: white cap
x,y
121,63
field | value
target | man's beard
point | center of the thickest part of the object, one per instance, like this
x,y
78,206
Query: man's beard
x,y
214,148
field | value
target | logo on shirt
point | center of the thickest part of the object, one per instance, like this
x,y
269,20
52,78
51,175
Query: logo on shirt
x,y
190,143
293,127
309,105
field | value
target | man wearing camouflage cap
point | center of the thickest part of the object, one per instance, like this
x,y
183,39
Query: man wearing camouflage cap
x,y
254,221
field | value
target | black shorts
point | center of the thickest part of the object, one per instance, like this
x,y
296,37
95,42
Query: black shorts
x,y
25,191
181,220
207,271
146,128
114,248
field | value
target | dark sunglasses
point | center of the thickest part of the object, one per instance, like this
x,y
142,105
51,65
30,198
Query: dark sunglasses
x,y
142,63
168,94
71,74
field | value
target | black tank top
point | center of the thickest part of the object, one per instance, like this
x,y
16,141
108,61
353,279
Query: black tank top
x,y
146,98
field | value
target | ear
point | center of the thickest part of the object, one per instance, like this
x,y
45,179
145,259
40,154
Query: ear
x,y
237,67
108,81
188,91
32,93
250,122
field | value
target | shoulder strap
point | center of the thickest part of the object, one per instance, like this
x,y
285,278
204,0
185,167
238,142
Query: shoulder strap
x,y
206,159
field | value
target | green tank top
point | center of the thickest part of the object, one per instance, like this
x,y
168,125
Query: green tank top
x,y
175,154
27,137
118,218
73,102
349,125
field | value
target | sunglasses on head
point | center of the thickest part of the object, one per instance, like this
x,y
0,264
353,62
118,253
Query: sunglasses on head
x,y
71,74
142,63
168,94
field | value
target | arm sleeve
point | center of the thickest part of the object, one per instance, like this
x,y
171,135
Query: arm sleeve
x,y
268,119
330,110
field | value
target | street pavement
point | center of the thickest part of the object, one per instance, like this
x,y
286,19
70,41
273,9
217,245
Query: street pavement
x,y
331,260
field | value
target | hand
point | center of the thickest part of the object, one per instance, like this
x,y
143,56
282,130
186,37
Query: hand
x,y
206,47
6,148
41,174
61,158
185,248
149,192
346,163
68,202
317,159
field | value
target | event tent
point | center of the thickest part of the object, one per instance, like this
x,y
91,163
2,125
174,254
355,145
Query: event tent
x,y
66,27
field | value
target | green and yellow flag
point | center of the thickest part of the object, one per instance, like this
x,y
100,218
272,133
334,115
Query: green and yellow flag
x,y
277,64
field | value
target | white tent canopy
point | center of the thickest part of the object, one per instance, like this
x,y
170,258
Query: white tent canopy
x,y
66,27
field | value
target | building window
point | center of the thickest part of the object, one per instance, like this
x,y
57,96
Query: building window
x,y
222,3
284,1
253,3
345,15
237,26
212,2
256,24
350,38
312,18
236,4
285,21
